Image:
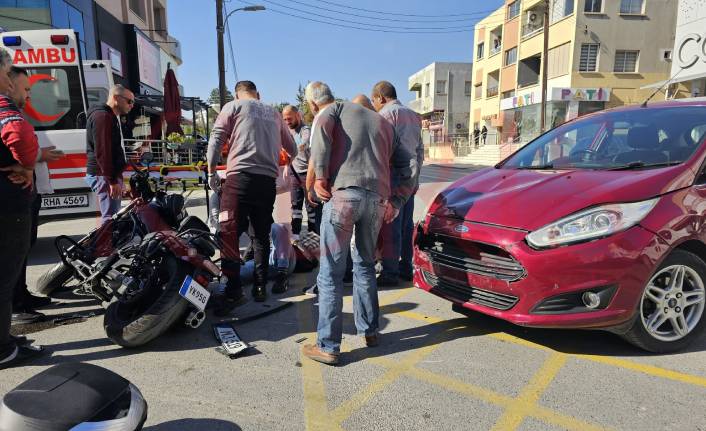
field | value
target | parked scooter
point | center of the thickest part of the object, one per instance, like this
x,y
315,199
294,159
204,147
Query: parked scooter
x,y
149,265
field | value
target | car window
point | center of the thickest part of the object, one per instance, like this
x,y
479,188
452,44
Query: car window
x,y
613,139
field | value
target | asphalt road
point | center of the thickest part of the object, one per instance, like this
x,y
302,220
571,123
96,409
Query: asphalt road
x,y
435,369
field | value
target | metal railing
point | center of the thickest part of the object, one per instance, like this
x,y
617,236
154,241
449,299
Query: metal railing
x,y
167,153
491,91
531,29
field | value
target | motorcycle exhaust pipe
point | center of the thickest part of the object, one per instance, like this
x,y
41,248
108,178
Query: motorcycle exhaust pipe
x,y
195,319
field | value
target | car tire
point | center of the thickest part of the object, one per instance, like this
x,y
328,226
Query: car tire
x,y
654,341
52,280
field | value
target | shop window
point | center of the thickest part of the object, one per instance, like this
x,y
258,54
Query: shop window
x,y
511,56
138,7
626,61
589,57
513,9
426,90
468,88
631,7
441,87
593,6
479,50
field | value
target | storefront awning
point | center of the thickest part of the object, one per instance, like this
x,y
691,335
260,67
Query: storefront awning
x,y
675,81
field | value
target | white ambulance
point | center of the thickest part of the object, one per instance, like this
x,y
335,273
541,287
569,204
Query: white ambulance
x,y
57,110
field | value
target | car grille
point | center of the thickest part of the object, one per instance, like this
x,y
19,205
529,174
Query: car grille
x,y
471,256
467,293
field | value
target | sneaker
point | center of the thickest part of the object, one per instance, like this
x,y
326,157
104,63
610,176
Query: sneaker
x,y
225,305
21,354
313,352
383,281
281,283
26,317
312,290
259,293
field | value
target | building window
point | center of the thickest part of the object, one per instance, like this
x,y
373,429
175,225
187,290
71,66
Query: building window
x,y
513,9
631,6
510,56
479,50
478,91
468,88
426,90
138,6
440,86
593,6
560,9
508,94
626,61
589,57
160,20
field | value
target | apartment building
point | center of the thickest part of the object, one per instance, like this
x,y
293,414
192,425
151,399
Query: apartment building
x,y
602,53
443,99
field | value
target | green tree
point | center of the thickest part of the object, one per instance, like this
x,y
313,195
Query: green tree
x,y
307,115
215,99
280,106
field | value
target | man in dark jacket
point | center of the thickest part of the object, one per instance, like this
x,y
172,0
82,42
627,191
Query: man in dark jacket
x,y
106,157
18,154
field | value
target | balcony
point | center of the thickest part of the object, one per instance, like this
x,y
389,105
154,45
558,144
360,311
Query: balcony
x,y
531,29
491,92
416,106
173,48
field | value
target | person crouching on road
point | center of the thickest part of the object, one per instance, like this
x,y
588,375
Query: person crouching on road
x,y
18,154
104,149
396,237
255,134
301,133
352,150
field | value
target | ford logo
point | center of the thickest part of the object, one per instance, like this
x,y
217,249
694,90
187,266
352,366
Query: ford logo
x,y
461,229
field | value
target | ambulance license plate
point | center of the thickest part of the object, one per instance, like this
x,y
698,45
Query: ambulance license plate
x,y
50,202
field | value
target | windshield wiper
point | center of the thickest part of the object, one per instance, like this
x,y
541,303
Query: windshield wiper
x,y
537,167
642,165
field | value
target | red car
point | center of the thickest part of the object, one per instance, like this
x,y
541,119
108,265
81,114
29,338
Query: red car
x,y
599,224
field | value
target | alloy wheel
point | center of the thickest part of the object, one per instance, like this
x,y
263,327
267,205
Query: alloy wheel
x,y
672,303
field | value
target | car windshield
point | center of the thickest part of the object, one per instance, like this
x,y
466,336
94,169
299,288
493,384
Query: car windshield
x,y
635,139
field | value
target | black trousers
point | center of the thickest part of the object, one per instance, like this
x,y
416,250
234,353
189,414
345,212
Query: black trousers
x,y
21,293
298,198
14,246
247,200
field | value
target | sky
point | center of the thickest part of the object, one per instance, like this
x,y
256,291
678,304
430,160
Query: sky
x,y
278,52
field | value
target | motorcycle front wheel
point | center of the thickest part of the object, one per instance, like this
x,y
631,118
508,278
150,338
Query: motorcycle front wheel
x,y
133,323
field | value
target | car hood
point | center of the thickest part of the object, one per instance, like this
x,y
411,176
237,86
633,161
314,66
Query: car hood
x,y
531,199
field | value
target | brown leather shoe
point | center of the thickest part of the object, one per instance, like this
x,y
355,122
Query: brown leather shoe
x,y
371,340
312,351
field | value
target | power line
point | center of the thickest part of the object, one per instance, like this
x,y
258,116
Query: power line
x,y
336,24
365,23
387,18
392,13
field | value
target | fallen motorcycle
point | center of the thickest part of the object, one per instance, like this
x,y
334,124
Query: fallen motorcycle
x,y
149,265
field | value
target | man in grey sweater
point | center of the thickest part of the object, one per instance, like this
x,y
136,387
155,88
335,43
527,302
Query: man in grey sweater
x,y
353,150
396,237
256,134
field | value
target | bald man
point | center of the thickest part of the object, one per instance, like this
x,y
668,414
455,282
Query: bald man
x,y
298,170
363,100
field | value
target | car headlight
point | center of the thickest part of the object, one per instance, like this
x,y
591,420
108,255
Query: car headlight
x,y
590,224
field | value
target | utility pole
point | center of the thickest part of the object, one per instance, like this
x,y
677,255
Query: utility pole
x,y
545,62
221,53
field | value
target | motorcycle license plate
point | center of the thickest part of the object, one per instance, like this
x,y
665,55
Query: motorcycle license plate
x,y
193,292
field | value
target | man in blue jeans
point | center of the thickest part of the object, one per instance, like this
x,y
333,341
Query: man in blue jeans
x,y
396,238
353,150
104,149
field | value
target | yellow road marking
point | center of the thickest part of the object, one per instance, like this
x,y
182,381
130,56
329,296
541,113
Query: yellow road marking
x,y
606,360
527,400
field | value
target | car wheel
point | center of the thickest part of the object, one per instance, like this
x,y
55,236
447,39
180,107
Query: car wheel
x,y
670,312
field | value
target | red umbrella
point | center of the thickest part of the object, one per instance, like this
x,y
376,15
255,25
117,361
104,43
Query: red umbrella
x,y
172,103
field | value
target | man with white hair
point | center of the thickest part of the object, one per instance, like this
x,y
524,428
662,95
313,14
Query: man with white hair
x,y
255,134
104,149
353,150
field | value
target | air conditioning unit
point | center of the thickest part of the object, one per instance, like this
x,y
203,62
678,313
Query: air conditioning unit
x,y
532,17
665,55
